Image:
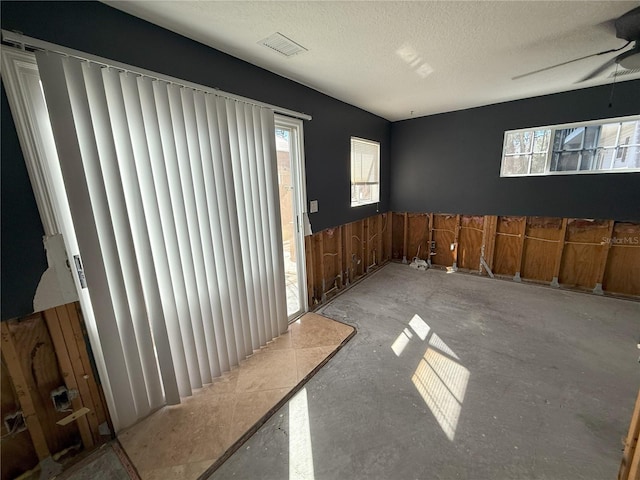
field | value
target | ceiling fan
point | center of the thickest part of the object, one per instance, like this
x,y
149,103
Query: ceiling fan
x,y
627,28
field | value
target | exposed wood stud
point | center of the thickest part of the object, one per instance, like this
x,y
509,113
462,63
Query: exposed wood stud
x,y
631,455
603,260
559,250
310,268
348,249
491,240
405,238
323,286
485,247
74,339
456,238
364,231
523,232
429,238
378,255
75,316
340,244
24,393
389,236
69,375
623,260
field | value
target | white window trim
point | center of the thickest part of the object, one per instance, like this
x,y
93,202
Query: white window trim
x,y
16,65
553,129
377,145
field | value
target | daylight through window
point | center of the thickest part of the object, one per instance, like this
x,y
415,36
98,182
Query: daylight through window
x,y
365,172
611,145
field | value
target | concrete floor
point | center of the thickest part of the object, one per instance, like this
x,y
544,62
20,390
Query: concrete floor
x,y
455,376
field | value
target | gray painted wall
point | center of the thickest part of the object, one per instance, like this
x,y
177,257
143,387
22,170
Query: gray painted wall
x,y
450,163
23,259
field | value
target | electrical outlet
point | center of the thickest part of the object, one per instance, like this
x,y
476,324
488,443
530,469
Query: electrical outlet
x,y
313,206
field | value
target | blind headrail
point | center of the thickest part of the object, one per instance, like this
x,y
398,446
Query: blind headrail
x,y
24,42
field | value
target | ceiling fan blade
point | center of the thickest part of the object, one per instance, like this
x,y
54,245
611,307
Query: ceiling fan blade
x,y
595,73
517,77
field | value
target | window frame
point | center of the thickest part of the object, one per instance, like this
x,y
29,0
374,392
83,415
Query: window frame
x,y
376,144
550,151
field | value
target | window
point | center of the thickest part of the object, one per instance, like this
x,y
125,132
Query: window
x,y
365,172
605,146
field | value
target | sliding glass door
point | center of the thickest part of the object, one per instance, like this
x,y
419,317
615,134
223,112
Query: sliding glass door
x,y
290,155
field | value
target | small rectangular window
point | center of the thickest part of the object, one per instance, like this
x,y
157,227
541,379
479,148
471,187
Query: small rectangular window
x,y
365,172
604,146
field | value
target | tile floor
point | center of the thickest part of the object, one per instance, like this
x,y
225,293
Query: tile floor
x,y
182,441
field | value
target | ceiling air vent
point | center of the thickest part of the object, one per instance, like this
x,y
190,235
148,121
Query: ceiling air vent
x,y
282,44
624,72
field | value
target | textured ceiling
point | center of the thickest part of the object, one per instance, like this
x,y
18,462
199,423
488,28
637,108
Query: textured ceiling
x,y
404,59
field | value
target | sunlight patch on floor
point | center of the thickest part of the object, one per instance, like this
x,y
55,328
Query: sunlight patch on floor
x,y
420,327
401,342
300,448
439,378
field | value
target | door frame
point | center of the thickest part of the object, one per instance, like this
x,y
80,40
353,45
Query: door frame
x,y
298,181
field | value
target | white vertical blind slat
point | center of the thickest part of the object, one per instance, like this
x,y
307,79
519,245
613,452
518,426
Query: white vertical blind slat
x,y
179,253
154,269
121,182
115,239
164,239
206,270
227,280
221,304
241,321
260,274
189,237
275,230
67,140
242,184
270,325
246,260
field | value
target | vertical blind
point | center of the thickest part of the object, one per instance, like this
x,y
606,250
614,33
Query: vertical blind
x,y
174,198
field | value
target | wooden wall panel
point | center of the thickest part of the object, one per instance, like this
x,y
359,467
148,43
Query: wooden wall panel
x,y
331,245
507,247
444,234
17,452
543,234
310,264
96,393
631,453
336,257
584,245
386,236
487,249
374,243
40,367
470,242
622,273
397,235
357,250
317,271
42,353
418,233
